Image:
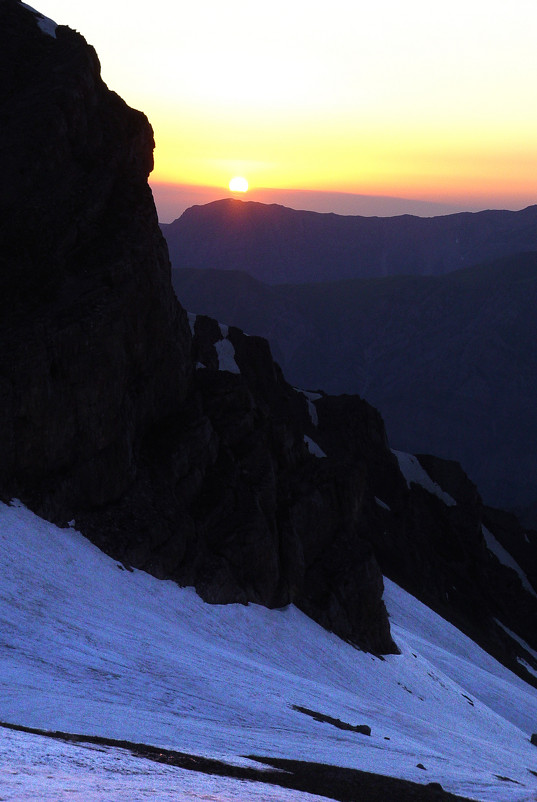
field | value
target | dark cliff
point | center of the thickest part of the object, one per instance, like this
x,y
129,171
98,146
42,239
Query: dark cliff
x,y
186,453
203,476
95,349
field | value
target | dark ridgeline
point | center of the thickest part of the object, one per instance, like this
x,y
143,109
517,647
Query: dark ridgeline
x,y
450,361
275,244
115,415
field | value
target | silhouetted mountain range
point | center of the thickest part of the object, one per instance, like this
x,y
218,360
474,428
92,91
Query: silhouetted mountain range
x,y
172,200
275,244
450,361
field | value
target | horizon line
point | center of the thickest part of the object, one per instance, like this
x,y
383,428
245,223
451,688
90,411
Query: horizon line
x,y
172,199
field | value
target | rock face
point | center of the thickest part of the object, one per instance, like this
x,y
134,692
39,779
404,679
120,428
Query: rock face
x,y
95,349
181,449
277,245
229,498
203,475
450,361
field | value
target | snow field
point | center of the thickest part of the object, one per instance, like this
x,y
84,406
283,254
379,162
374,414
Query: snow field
x,y
88,647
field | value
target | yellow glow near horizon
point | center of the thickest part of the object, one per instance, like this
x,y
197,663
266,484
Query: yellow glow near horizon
x,y
405,99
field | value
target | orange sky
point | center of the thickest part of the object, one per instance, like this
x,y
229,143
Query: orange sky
x,y
415,100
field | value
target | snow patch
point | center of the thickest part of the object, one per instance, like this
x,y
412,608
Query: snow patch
x,y
313,448
506,559
191,321
530,669
312,409
413,471
45,24
224,348
518,639
226,356
382,504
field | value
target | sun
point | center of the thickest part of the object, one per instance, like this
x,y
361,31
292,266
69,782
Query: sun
x,y
238,184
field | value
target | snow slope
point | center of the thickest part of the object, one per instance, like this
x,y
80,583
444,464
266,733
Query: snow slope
x,y
506,559
411,469
47,25
89,647
313,448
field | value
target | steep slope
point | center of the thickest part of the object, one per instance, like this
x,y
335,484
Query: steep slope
x,y
186,453
95,650
449,361
275,244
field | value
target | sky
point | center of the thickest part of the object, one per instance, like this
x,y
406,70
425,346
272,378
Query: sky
x,y
428,101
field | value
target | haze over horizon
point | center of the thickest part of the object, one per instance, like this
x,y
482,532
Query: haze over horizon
x,y
426,104
172,200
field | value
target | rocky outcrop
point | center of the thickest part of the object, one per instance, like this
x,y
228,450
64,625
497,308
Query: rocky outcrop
x,y
450,361
230,499
181,449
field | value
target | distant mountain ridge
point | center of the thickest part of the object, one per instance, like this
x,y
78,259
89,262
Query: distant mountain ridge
x,y
172,200
450,361
275,244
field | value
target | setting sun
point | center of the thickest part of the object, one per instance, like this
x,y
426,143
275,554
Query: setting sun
x,y
238,184
407,100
